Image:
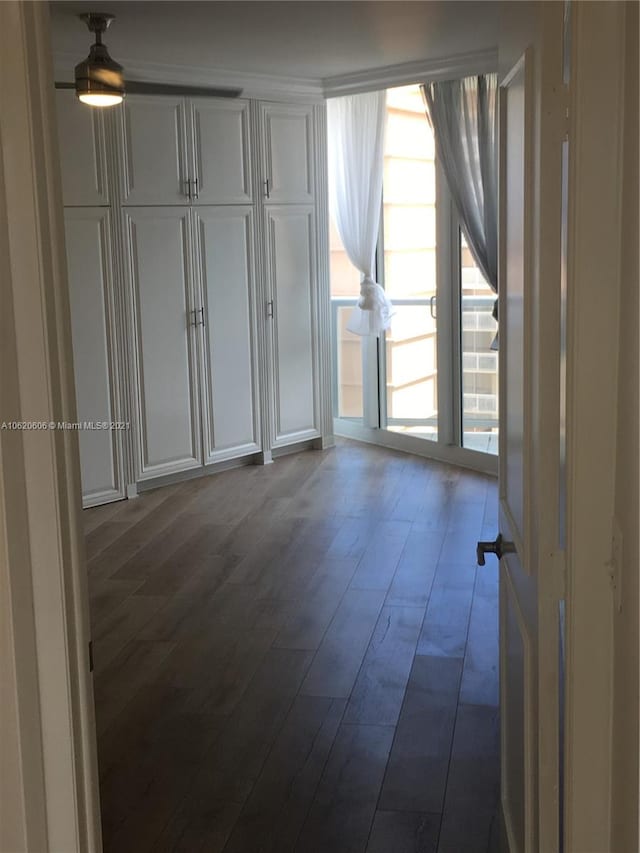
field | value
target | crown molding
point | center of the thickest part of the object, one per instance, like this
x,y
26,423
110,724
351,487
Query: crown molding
x,y
259,86
421,71
309,89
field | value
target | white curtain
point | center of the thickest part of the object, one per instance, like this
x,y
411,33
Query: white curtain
x,y
464,117
356,126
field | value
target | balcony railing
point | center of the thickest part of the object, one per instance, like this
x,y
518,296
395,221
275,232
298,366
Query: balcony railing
x,y
411,364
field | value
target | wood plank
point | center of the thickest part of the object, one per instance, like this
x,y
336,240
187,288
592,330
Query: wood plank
x,y
404,832
416,570
352,539
237,758
144,530
344,805
379,691
273,816
473,787
338,660
181,571
380,560
311,618
417,771
121,626
480,673
446,621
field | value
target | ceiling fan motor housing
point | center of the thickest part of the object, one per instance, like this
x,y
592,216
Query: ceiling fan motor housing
x,y
99,74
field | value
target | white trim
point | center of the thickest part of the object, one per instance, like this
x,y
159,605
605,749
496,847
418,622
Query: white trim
x,y
324,417
520,530
462,65
593,290
57,763
256,86
473,460
508,594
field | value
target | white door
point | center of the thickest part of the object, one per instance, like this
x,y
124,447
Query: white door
x,y
224,248
81,143
154,151
531,567
292,322
221,151
287,138
93,327
164,317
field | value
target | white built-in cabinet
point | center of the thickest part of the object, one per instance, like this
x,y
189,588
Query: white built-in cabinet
x,y
91,265
287,163
177,150
93,325
196,240
83,154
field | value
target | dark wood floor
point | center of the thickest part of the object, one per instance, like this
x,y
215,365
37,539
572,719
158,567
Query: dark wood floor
x,y
298,658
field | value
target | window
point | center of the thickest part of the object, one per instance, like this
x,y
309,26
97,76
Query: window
x,y
434,375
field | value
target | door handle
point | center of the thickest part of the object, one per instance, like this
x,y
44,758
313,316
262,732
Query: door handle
x,y
432,307
270,308
267,188
188,192
500,547
196,192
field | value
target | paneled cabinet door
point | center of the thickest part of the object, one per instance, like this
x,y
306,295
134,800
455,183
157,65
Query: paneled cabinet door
x,y
221,151
154,151
287,134
81,142
93,333
167,428
291,271
224,239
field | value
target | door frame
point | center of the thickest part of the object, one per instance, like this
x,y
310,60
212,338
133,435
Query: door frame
x,y
49,788
52,779
596,113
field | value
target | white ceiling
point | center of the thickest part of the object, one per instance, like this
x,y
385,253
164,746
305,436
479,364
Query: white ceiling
x,y
305,39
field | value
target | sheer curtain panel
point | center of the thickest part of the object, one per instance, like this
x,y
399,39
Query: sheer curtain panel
x,y
464,118
356,146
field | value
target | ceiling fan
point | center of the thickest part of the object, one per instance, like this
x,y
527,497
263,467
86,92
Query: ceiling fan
x,y
99,80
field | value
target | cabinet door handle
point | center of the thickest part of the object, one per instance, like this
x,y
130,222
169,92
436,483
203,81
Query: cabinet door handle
x,y
195,317
270,308
267,191
188,193
196,191
200,311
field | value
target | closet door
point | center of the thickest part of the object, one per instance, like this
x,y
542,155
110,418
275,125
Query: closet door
x,y
224,240
221,152
287,134
167,422
154,151
93,327
291,272
81,142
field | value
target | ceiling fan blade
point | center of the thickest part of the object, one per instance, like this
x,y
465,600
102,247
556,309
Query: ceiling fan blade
x,y
138,87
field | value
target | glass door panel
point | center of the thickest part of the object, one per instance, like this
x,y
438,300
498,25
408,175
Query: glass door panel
x,y
479,360
409,244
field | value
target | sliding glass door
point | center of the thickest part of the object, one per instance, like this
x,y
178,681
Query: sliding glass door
x,y
430,383
408,244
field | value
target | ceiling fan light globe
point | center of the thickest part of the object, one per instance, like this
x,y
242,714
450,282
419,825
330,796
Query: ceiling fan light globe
x,y
99,99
